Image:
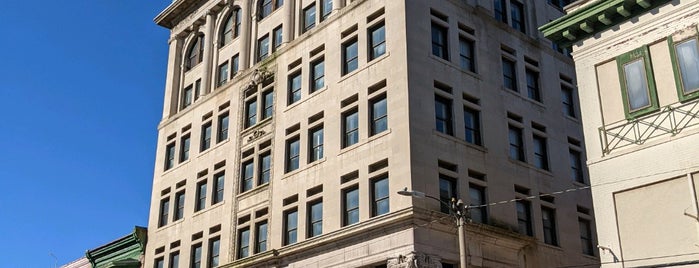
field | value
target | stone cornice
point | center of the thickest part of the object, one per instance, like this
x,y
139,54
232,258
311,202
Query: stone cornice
x,y
594,18
131,244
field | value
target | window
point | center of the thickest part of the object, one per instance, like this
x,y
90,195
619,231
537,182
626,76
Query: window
x,y
315,218
685,56
197,89
509,74
205,137
238,15
379,115
159,263
195,259
567,100
350,128
309,17
267,103
350,204
350,61
317,75
184,148
294,87
214,251
265,7
447,191
251,113
243,243
169,156
516,143
316,143
235,62
222,74
164,210
576,172
540,152
179,206
261,237
517,12
201,196
219,180
440,46
524,218
195,54
325,9
586,237
477,195
247,175
292,154
379,197
277,38
533,90
175,259
637,84
377,41
265,168
186,97
222,134
466,55
443,115
500,10
290,226
548,219
262,48
472,125
227,30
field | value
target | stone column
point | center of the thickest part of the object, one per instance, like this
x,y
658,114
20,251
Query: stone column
x,y
288,29
415,260
246,22
172,81
208,52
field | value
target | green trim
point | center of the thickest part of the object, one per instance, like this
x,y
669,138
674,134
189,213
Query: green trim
x,y
681,95
123,252
622,60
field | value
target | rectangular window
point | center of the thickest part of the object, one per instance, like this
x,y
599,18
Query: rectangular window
x,y
309,17
222,74
377,41
576,168
265,168
472,125
262,48
685,59
214,251
548,219
440,47
184,148
243,243
516,143
524,218
447,191
294,87
159,263
317,75
466,55
247,175
316,142
443,115
517,12
235,65
479,212
197,89
261,237
265,8
379,115
500,10
179,206
586,237
350,206
164,212
509,74
567,100
350,128
169,156
175,260
251,113
533,91
290,226
379,197
292,154
326,9
541,157
350,61
195,258
277,38
205,137
222,134
637,83
219,182
238,16
267,104
315,218
186,97
201,196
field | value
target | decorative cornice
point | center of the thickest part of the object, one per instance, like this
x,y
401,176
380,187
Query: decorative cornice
x,y
122,249
594,18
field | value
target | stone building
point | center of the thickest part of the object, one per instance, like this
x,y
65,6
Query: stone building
x,y
638,75
289,127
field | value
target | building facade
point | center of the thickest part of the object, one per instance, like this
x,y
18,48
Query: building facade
x,y
637,67
289,127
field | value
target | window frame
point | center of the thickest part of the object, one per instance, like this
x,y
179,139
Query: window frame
x,y
292,161
377,119
262,46
316,149
264,173
218,191
475,129
194,261
510,66
213,259
682,95
529,230
622,60
348,134
326,8
180,199
250,112
315,77
540,149
440,48
170,152
247,181
533,78
290,232
223,127
586,243
376,200
346,210
243,243
550,231
313,221
277,38
448,120
164,214
568,107
453,189
469,60
260,244
201,196
372,44
294,85
521,155
205,140
481,210
309,15
185,147
350,64
521,24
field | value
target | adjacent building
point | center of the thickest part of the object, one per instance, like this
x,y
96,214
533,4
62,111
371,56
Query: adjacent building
x,y
638,75
289,127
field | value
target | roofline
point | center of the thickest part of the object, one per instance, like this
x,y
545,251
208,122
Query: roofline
x,y
167,15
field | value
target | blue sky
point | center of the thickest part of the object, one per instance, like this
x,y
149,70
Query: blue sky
x,y
81,96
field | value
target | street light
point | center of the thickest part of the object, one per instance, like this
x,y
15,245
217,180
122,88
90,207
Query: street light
x,y
458,210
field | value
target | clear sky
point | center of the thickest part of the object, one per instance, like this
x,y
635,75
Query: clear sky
x,y
81,90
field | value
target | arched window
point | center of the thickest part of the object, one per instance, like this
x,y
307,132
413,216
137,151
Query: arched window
x,y
265,7
195,53
231,27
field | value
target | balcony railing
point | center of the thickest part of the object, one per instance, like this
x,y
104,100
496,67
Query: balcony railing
x,y
670,120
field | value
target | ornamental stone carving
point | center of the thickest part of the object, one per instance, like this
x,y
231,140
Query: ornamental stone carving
x,y
415,260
